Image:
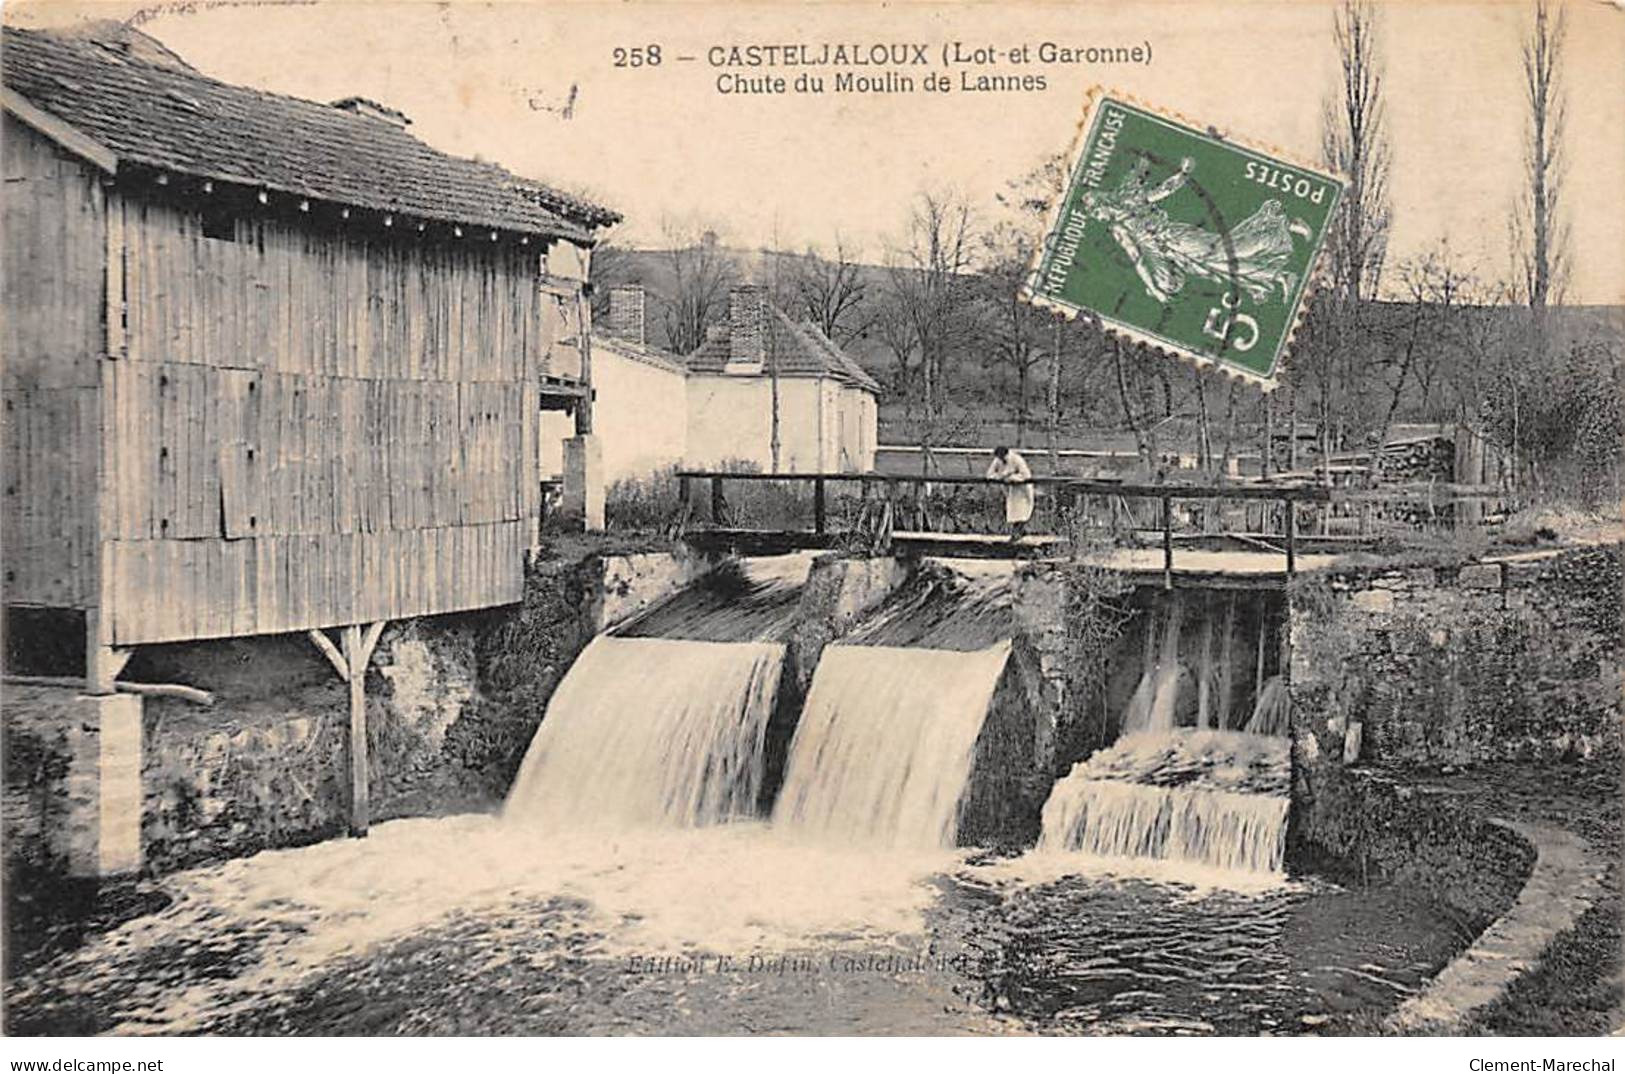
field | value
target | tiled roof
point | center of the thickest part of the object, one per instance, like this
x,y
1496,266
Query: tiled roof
x,y
802,350
176,120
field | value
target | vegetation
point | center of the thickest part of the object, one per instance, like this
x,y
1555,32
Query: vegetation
x,y
1428,339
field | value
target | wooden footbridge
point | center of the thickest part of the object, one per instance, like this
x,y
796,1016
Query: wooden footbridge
x,y
1145,528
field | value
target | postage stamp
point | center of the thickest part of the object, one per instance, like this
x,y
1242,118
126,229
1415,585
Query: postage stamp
x,y
1184,240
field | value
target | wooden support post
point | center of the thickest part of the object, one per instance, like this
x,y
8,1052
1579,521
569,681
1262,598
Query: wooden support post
x,y
1291,538
818,505
685,504
329,650
718,507
102,661
888,517
359,804
583,413
1167,541
351,665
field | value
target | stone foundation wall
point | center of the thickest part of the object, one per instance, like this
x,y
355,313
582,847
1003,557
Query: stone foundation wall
x,y
72,789
1008,781
1433,667
452,705
1402,673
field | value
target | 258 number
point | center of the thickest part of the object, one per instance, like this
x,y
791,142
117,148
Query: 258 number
x,y
638,56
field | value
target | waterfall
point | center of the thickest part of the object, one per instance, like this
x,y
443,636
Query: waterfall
x,y
884,749
651,732
1113,819
1156,699
1272,712
1209,798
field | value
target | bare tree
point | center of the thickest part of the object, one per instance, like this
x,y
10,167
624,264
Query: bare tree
x,y
611,266
895,330
831,292
1335,356
1540,238
701,274
1435,287
1014,333
779,290
1354,142
1031,199
927,277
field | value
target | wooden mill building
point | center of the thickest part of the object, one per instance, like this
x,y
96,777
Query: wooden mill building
x,y
270,365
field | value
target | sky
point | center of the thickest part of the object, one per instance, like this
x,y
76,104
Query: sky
x,y
535,87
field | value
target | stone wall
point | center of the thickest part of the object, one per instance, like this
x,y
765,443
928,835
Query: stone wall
x,y
72,791
1435,666
1398,674
266,765
1009,779
452,705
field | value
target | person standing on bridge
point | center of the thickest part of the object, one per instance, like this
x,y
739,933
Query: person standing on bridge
x,y
1008,466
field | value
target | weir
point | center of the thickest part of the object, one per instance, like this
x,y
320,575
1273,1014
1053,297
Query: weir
x,y
884,750
896,743
1198,775
652,732
1208,798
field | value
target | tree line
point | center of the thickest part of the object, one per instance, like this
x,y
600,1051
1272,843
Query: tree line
x,y
1431,338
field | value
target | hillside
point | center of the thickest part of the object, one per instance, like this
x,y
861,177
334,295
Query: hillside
x,y
982,404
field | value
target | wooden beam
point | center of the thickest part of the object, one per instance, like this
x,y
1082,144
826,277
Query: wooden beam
x,y
1167,542
359,791
59,131
329,650
369,642
1291,538
103,662
144,689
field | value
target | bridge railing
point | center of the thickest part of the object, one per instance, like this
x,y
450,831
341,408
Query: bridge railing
x,y
888,504
870,509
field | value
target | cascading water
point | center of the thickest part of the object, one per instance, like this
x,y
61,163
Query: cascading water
x,y
883,753
1204,796
1273,709
651,732
1157,696
1212,798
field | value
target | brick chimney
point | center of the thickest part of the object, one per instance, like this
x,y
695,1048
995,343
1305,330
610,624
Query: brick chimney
x,y
626,312
747,325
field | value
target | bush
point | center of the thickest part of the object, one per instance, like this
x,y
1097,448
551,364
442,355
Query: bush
x,y
645,504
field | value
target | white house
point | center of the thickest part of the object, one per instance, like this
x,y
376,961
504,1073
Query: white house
x,y
653,410
827,403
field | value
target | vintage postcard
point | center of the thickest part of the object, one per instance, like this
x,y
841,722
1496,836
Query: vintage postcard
x,y
825,520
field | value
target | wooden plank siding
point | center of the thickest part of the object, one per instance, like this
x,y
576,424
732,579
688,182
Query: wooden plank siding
x,y
316,427
304,425
52,262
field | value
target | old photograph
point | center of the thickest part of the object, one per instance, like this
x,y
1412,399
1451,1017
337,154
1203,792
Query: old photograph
x,y
584,519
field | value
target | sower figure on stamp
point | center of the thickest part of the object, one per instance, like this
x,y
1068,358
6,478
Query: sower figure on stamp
x,y
1008,466
1254,256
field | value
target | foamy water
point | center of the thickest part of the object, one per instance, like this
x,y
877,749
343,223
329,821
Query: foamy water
x,y
1210,799
286,914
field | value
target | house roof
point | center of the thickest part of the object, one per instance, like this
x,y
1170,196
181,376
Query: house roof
x,y
171,118
639,352
802,351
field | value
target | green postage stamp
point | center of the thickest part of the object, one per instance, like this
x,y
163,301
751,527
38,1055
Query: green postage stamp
x,y
1183,240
